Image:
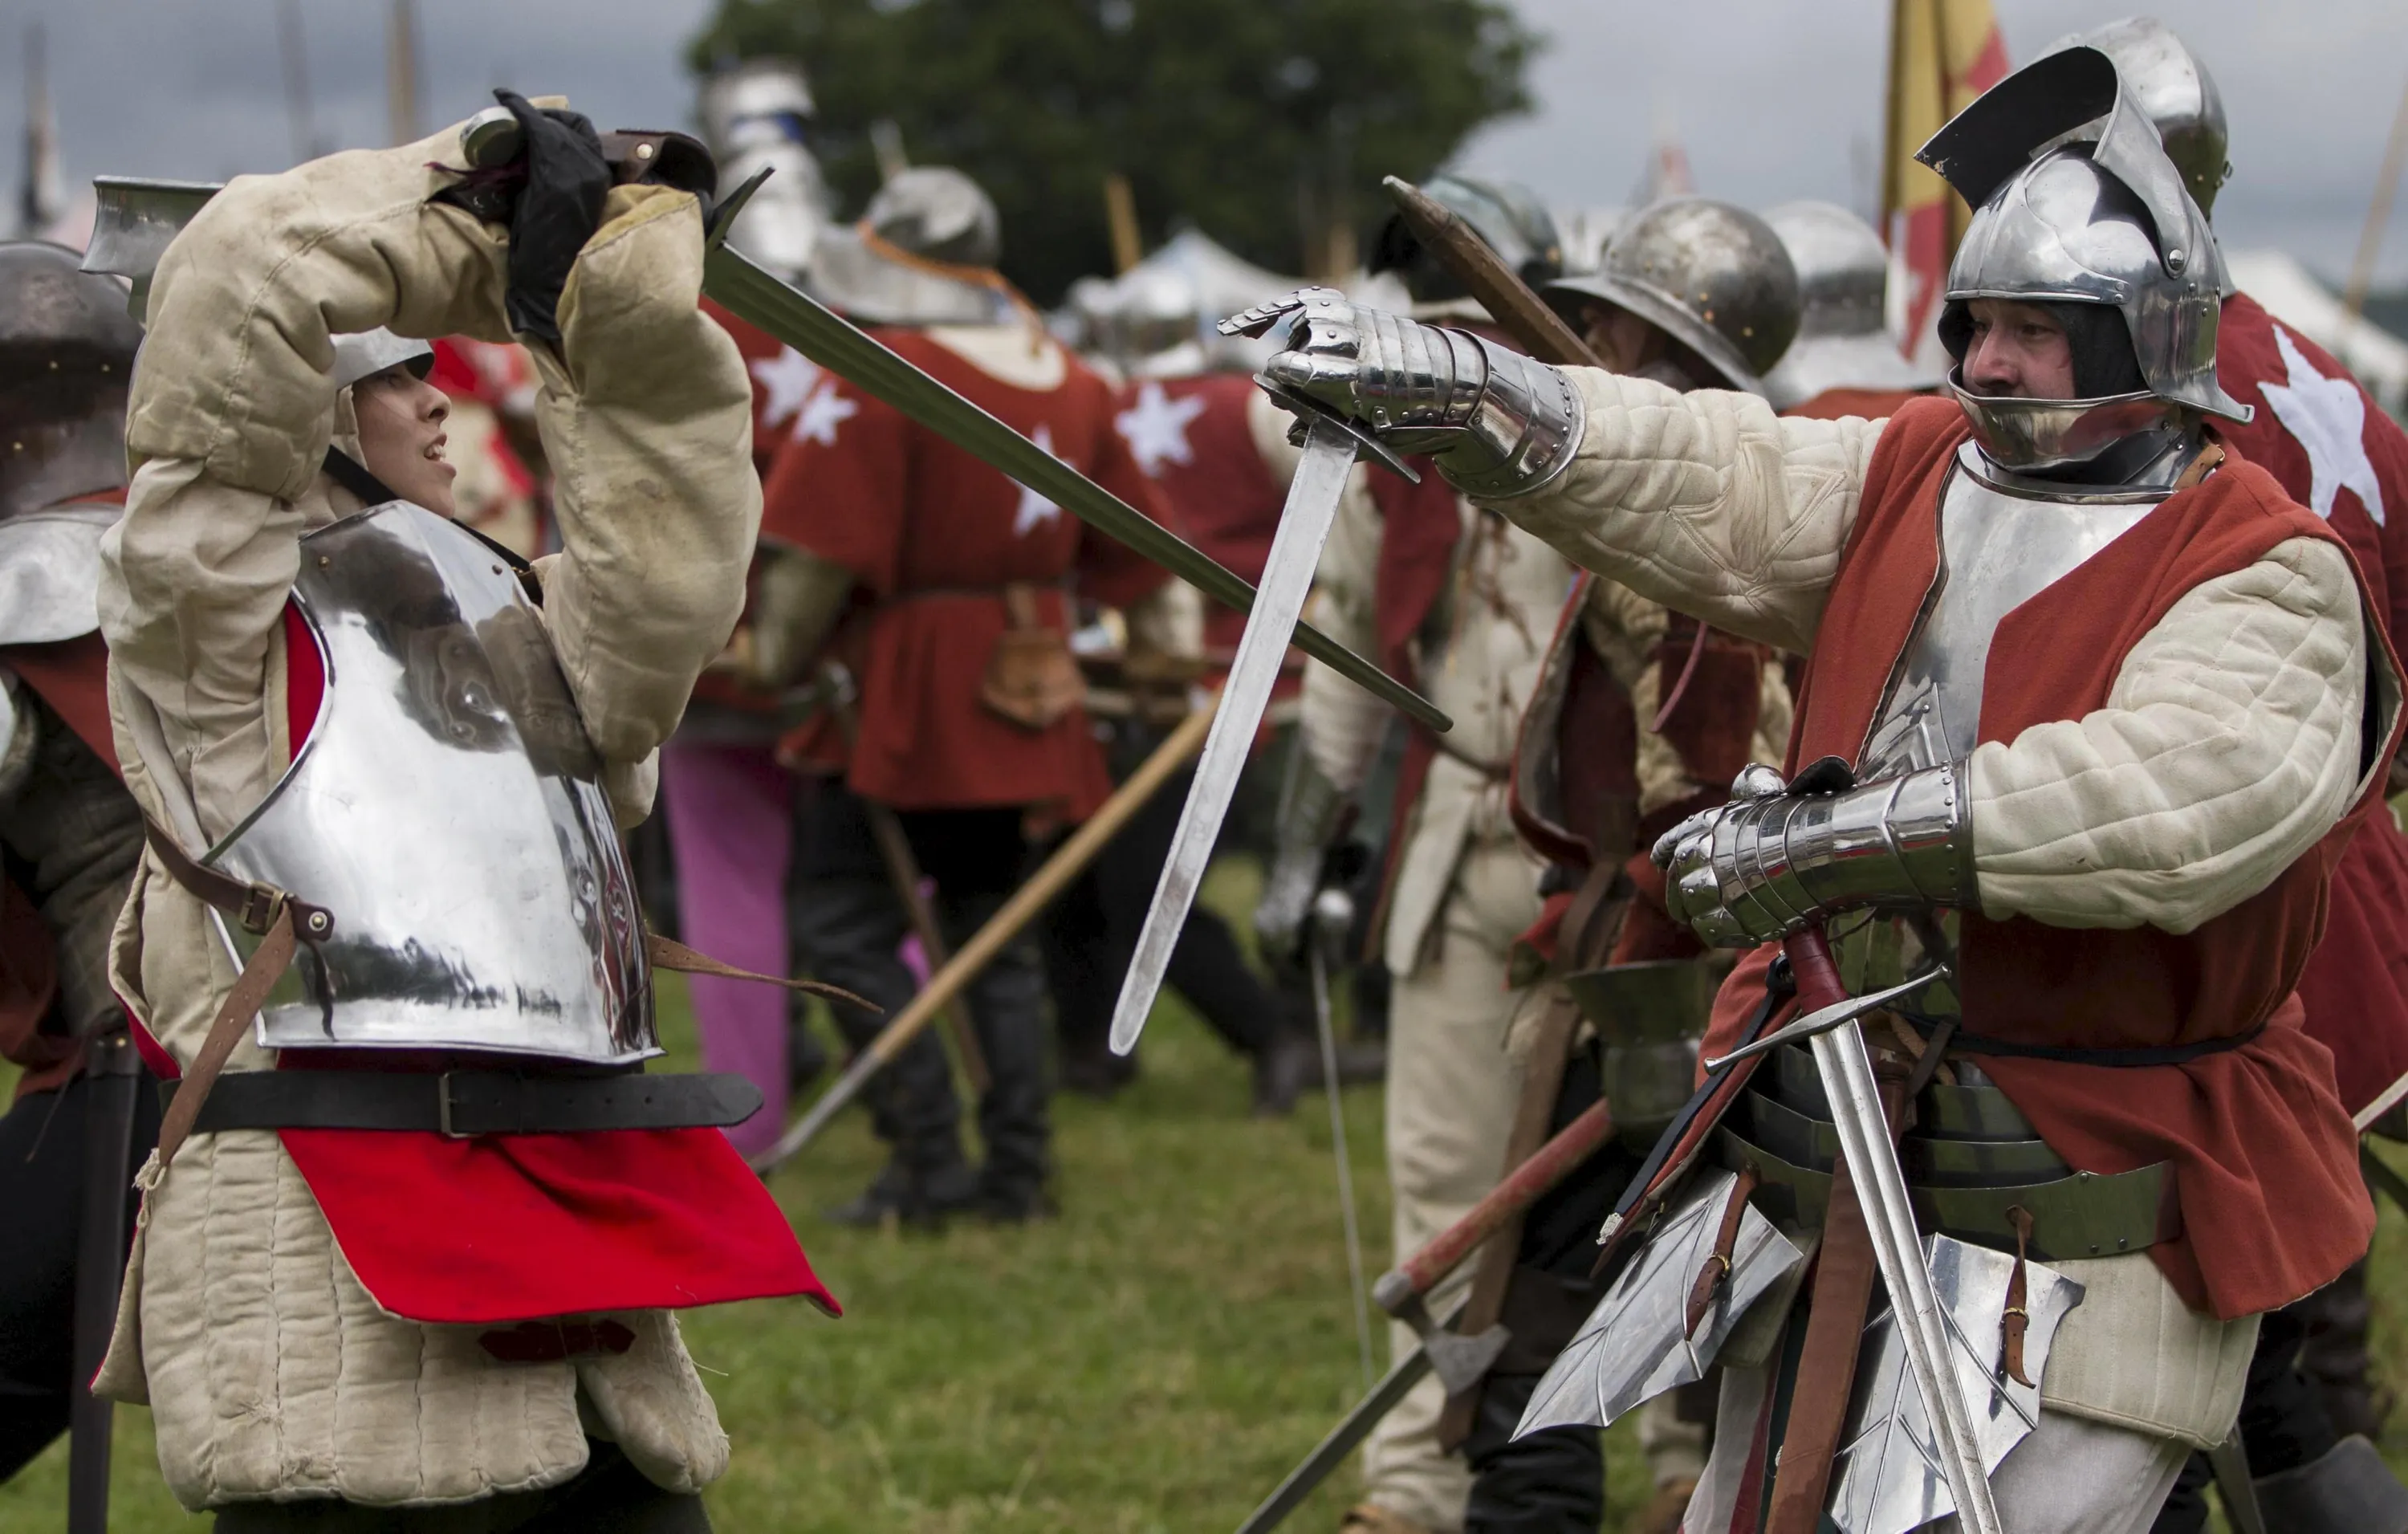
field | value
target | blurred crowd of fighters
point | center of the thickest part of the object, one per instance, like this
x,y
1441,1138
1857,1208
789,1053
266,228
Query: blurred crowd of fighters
x,y
939,672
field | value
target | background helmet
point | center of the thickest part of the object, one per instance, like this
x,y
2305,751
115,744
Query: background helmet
x,y
1507,215
756,116
66,355
1843,340
929,217
2172,89
1711,274
2101,219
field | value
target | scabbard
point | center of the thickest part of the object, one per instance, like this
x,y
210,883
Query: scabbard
x,y
113,1077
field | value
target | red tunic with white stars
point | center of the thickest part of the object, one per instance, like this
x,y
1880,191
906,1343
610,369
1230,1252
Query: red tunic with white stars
x,y
934,535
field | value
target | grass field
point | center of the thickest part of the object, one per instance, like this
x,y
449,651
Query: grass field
x,y
1153,1361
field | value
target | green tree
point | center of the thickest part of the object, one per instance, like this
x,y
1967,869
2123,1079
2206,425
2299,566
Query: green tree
x,y
1264,122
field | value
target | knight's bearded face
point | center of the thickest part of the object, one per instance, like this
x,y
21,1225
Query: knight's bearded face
x,y
2017,352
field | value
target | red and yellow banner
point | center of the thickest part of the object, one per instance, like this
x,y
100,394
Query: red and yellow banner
x,y
1943,53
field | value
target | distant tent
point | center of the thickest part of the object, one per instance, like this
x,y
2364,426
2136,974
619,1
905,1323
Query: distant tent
x,y
2292,294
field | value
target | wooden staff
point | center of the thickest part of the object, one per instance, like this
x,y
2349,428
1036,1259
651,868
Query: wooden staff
x,y
1067,862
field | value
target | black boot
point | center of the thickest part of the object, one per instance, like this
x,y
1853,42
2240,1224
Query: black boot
x,y
1287,1065
915,1200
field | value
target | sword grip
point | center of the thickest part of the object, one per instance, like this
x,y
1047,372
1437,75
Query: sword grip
x,y
1817,973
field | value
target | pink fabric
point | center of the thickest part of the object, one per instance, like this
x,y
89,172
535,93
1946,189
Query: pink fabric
x,y
730,810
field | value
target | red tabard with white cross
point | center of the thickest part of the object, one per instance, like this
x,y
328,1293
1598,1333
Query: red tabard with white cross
x,y
2328,444
2264,1158
934,535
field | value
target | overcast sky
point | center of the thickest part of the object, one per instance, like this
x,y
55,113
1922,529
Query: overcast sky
x,y
1772,99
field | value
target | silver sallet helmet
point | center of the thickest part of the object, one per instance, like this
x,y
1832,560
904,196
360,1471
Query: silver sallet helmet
x,y
1843,340
2076,202
2174,91
1710,274
756,116
67,352
943,219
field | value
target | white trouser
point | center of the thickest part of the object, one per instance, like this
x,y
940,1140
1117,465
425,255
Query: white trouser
x,y
1452,1091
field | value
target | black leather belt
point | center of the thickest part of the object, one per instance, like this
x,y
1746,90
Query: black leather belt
x,y
465,1103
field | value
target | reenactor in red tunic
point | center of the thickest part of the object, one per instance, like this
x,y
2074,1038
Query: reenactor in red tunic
x,y
71,834
2311,1413
970,724
2099,761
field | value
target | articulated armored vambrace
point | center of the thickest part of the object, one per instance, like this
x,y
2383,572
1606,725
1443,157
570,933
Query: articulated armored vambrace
x,y
1500,423
1772,861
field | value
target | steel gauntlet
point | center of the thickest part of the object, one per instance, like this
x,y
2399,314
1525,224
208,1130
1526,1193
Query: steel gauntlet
x,y
1311,811
1500,423
1771,861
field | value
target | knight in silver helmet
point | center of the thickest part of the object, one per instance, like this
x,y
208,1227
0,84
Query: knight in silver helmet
x,y
924,253
84,1112
1844,358
2313,1415
1695,292
757,116
2094,697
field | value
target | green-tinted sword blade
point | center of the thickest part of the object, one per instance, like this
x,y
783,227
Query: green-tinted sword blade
x,y
794,317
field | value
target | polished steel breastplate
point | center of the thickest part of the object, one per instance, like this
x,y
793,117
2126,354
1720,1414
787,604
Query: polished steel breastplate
x,y
447,809
1999,548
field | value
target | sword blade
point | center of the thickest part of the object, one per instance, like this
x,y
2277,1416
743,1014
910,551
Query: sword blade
x,y
1847,1074
802,322
1287,579
1332,1451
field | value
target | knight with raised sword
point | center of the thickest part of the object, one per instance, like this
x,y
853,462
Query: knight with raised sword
x,y
2089,709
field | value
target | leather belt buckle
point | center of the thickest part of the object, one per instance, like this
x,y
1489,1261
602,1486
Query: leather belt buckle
x,y
260,904
443,1109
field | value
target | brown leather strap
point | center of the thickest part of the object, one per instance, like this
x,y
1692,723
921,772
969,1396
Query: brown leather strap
x,y
1844,1275
2017,1318
1717,1270
255,906
267,965
283,924
669,954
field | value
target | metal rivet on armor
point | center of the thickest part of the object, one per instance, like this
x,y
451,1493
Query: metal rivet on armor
x,y
643,152
323,561
2093,1249
55,365
103,367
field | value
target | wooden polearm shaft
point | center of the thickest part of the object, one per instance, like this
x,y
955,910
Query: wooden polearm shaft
x,y
1067,862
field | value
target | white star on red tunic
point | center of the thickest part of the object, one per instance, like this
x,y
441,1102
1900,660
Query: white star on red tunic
x,y
2327,416
785,381
1035,508
822,415
1155,427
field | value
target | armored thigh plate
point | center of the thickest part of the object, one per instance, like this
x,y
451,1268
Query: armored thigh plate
x,y
447,809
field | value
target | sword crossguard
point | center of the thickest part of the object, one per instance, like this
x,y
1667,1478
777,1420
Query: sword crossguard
x,y
1823,1019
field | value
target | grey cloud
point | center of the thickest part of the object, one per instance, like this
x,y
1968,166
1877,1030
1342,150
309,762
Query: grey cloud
x,y
1774,99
